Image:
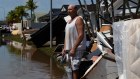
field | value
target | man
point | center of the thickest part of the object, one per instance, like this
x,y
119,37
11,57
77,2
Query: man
x,y
75,40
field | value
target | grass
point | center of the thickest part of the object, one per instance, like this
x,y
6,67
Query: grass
x,y
13,38
48,50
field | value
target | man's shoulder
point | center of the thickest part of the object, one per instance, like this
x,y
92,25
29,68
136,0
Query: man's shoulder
x,y
80,17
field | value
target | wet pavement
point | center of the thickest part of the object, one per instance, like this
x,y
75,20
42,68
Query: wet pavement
x,y
22,61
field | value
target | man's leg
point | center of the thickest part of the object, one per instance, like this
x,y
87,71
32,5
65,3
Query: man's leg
x,y
75,63
75,74
69,72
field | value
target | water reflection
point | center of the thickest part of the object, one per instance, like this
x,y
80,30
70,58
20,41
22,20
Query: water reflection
x,y
2,41
23,61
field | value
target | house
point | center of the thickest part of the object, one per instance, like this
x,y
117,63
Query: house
x,y
38,15
45,18
62,12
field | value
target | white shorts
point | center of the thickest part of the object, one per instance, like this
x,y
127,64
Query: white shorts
x,y
75,61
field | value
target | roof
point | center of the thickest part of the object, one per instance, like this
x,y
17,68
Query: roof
x,y
39,14
89,7
62,11
64,7
55,11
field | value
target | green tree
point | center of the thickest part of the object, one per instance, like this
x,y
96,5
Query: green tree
x,y
31,5
17,15
20,12
12,17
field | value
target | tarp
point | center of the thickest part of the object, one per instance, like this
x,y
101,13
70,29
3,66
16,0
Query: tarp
x,y
42,36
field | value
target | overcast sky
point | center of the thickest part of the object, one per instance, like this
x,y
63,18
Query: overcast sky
x,y
43,5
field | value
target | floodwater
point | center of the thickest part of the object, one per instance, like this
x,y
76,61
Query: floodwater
x,y
22,61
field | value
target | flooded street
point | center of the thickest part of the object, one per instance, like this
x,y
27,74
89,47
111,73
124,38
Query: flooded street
x,y
19,61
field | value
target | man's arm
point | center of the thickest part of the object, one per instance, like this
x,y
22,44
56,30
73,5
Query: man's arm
x,y
64,49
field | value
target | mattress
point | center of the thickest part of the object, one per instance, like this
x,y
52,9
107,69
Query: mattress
x,y
126,37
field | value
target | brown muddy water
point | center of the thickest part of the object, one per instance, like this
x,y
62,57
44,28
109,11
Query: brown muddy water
x,y
20,61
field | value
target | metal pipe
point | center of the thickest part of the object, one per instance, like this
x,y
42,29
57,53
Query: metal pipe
x,y
85,4
97,11
88,30
112,10
127,3
107,14
137,9
92,2
124,7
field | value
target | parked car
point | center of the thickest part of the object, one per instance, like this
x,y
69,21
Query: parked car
x,y
5,29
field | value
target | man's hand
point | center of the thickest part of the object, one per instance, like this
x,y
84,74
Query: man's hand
x,y
72,52
63,52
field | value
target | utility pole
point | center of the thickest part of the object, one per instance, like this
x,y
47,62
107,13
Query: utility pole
x,y
32,12
50,23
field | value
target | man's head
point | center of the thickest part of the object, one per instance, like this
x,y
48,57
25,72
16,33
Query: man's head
x,y
72,10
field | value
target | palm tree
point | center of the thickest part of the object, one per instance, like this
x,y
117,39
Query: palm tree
x,y
17,14
31,5
12,17
20,12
